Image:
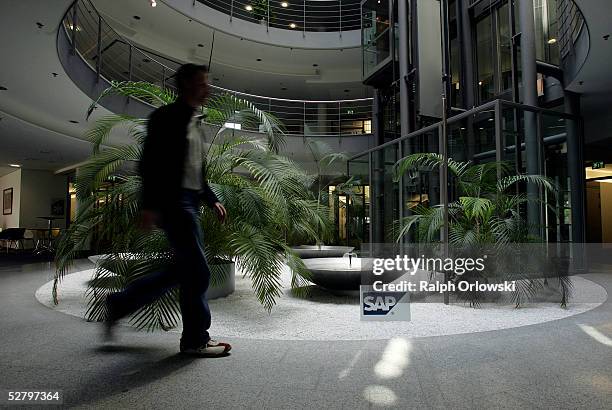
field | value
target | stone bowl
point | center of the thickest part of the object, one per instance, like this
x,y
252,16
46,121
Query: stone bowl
x,y
343,276
323,251
213,292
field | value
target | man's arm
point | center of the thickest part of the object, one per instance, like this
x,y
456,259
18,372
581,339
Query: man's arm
x,y
149,164
208,196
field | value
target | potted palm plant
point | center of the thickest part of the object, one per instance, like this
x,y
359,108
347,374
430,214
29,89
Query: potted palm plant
x,y
487,214
266,195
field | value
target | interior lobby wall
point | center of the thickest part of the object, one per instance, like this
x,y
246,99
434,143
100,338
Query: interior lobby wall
x,y
12,180
606,211
39,189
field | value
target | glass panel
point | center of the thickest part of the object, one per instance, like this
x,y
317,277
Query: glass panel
x,y
455,57
559,210
358,209
420,187
375,34
504,34
484,55
546,26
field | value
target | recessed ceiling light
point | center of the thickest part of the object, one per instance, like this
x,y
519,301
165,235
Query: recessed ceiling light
x,y
14,165
606,37
284,4
248,7
54,74
3,88
284,88
153,3
552,41
74,122
39,24
346,91
315,65
200,45
136,17
259,59
292,25
479,82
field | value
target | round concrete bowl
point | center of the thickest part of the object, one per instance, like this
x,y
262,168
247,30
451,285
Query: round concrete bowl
x,y
323,251
339,275
213,292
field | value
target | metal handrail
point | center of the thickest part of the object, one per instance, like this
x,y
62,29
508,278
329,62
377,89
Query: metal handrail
x,y
571,24
115,58
300,15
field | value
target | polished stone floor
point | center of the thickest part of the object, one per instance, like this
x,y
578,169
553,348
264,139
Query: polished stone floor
x,y
562,364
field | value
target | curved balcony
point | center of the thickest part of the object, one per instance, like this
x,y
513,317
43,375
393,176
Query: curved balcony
x,y
301,15
113,58
305,24
574,41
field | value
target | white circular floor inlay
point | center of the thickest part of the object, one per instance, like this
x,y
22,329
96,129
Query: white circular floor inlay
x,y
326,317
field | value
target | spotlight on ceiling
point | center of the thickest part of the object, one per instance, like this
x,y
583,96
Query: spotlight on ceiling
x,y
552,41
284,4
14,165
153,3
248,7
292,25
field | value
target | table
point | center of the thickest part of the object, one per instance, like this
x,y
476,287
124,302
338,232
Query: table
x,y
47,243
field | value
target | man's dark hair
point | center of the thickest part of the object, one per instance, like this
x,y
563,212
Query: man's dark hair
x,y
186,72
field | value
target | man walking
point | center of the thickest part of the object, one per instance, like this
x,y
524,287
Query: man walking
x,y
172,187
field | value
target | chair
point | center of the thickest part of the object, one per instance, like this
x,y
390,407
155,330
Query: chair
x,y
12,237
29,236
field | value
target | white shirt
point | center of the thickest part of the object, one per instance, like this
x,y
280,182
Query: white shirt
x,y
192,176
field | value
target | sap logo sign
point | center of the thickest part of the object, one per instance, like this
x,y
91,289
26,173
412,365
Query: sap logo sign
x,y
379,303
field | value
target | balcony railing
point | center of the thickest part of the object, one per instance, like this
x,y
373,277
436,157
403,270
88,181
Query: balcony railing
x,y
114,58
571,23
301,15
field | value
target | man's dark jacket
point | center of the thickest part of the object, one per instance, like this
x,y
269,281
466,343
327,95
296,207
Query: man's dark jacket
x,y
163,159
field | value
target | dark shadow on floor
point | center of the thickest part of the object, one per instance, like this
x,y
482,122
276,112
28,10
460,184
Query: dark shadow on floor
x,y
123,378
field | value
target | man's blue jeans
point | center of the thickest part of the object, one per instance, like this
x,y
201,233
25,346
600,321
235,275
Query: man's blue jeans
x,y
189,271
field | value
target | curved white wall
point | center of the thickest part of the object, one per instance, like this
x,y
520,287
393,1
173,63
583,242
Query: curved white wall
x,y
256,32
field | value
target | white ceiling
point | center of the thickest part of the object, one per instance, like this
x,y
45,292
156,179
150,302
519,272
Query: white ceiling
x,y
34,147
234,60
37,106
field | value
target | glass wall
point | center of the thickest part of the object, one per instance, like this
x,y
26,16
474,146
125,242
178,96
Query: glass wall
x,y
493,44
358,204
494,131
485,57
375,35
547,31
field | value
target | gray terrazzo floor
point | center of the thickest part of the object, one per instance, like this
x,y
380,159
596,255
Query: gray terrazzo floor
x,y
560,364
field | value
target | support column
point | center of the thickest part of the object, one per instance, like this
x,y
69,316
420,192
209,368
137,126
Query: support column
x,y
377,202
575,165
404,63
530,97
467,82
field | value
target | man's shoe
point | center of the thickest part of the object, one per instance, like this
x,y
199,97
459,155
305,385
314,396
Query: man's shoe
x,y
210,349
